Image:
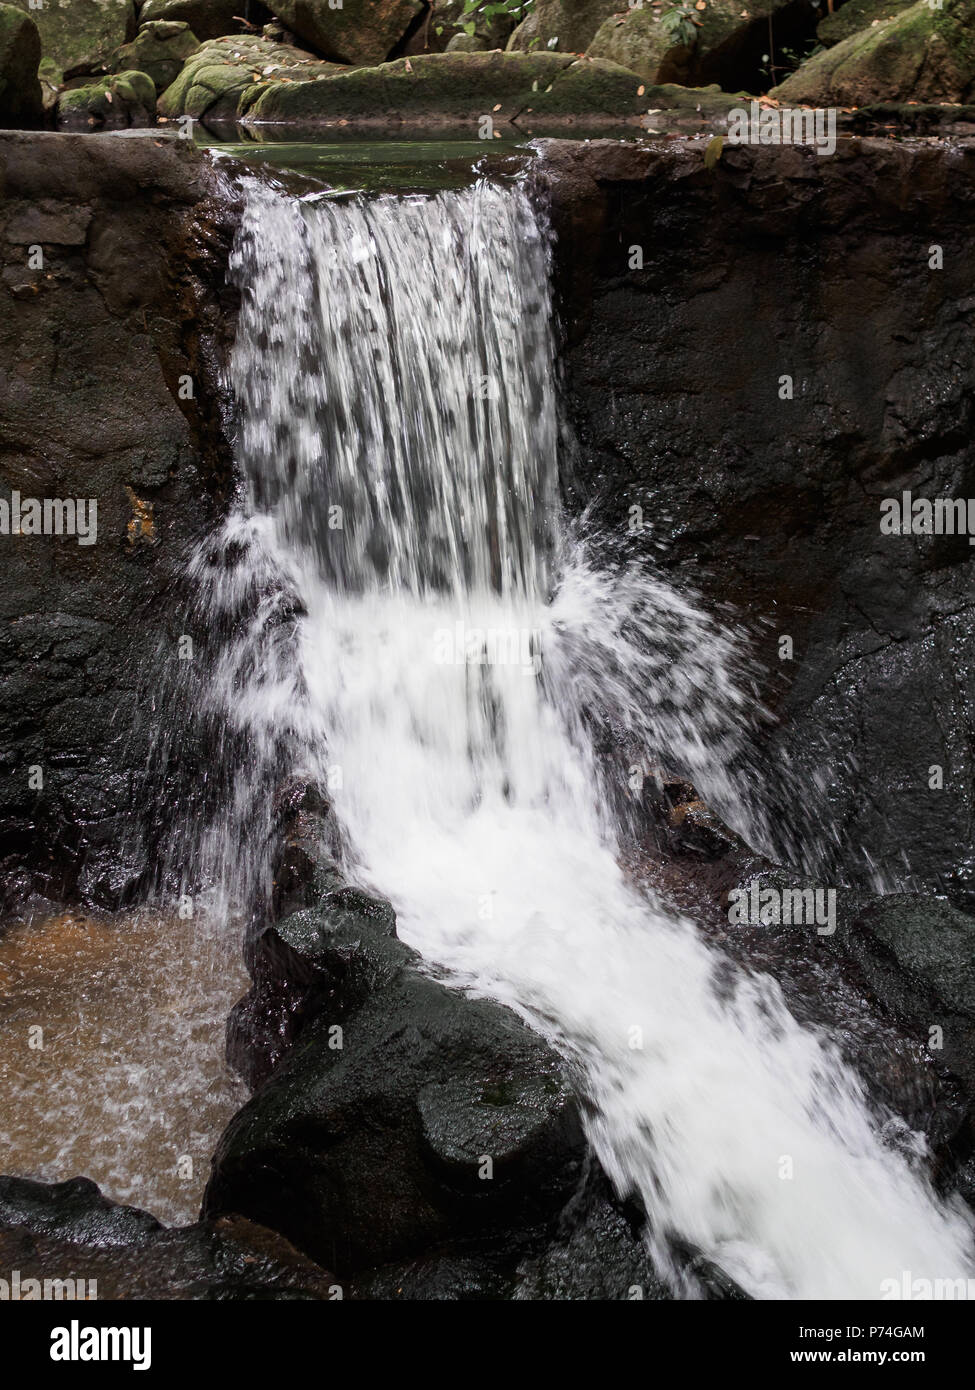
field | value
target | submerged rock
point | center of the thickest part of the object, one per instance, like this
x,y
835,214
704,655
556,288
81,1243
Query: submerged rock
x,y
353,33
78,37
20,54
118,101
222,77
922,54
159,50
70,1231
459,87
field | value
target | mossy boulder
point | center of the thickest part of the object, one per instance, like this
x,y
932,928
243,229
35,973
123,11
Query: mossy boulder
x,y
117,101
729,40
921,54
855,16
20,54
467,43
159,49
457,87
356,33
216,78
443,28
78,35
564,26
639,42
208,19
699,104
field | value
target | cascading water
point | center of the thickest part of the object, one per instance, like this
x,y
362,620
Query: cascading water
x,y
427,641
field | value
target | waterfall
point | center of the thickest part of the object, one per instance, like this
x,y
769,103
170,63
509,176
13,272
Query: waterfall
x,y
413,625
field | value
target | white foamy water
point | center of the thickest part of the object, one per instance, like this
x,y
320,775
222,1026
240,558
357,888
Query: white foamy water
x,y
447,661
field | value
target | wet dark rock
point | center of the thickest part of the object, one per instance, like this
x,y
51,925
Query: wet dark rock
x,y
816,269
69,1230
877,980
94,343
919,955
597,1252
74,1211
395,1095
380,1090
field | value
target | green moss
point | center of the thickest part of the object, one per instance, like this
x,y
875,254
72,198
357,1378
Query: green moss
x,y
220,78
642,45
855,16
569,25
80,34
159,49
461,86
921,55
123,99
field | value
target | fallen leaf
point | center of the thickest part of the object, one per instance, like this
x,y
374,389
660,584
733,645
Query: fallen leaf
x,y
409,66
713,152
640,90
496,108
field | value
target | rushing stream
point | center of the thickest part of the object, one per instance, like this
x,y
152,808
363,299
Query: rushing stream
x,y
427,639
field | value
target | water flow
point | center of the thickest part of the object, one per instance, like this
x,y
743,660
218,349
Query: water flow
x,y
451,662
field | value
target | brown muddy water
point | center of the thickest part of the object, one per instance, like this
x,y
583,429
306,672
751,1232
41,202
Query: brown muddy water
x,y
112,1052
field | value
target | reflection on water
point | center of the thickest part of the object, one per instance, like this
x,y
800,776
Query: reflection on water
x,y
112,1052
406,166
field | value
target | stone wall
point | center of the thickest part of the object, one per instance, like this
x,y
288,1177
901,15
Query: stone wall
x,y
111,284
780,263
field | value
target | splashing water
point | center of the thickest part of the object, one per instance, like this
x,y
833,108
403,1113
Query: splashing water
x,y
426,639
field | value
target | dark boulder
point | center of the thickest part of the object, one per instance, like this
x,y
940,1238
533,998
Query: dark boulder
x,y
20,55
208,19
396,1096
354,33
68,1231
809,360
96,344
